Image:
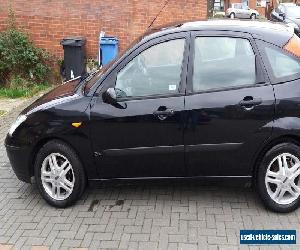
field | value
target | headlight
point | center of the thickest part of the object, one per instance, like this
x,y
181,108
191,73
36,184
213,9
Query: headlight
x,y
16,124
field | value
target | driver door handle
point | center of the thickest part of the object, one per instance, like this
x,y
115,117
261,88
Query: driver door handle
x,y
163,114
250,102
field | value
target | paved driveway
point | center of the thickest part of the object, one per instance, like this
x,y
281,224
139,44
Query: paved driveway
x,y
178,215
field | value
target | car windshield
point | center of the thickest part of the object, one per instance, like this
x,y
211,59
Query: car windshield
x,y
293,11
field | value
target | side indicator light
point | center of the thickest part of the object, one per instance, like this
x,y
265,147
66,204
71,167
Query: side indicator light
x,y
76,124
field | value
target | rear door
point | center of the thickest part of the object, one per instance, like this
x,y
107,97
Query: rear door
x,y
229,103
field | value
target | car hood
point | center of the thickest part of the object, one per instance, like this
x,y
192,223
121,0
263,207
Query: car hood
x,y
60,94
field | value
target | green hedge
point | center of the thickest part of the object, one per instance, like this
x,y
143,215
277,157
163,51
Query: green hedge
x,y
20,59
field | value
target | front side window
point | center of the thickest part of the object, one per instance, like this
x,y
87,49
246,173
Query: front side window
x,y
223,62
282,65
155,71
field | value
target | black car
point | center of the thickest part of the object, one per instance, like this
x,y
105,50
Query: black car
x,y
215,99
288,13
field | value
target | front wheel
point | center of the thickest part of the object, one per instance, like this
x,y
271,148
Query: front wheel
x,y
253,17
232,16
59,174
278,178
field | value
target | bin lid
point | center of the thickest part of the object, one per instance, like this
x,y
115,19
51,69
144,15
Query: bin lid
x,y
109,40
74,41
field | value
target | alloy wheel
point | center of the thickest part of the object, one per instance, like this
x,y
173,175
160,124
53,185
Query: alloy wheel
x,y
282,179
57,176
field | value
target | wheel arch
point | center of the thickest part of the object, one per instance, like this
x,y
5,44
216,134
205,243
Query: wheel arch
x,y
40,144
267,146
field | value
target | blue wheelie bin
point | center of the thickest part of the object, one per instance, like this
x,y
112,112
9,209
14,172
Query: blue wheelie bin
x,y
109,47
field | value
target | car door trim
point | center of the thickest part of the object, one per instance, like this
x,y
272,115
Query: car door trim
x,y
243,177
213,147
143,150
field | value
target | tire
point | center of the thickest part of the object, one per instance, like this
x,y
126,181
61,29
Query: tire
x,y
277,181
253,16
232,15
60,187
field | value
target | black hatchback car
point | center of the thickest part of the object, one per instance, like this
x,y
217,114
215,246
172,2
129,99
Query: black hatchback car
x,y
215,99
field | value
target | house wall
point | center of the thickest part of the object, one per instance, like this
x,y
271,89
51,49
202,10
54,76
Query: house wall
x,y
48,21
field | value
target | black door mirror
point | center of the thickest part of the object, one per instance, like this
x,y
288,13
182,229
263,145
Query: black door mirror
x,y
110,96
282,15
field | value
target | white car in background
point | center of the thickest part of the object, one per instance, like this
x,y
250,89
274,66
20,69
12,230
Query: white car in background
x,y
239,10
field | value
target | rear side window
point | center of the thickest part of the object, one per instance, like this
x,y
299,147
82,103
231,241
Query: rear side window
x,y
222,62
282,64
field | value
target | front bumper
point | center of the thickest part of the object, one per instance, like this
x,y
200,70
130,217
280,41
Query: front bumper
x,y
19,158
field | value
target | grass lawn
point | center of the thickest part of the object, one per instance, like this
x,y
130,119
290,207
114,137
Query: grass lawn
x,y
22,91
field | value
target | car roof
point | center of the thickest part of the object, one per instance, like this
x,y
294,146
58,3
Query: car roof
x,y
275,33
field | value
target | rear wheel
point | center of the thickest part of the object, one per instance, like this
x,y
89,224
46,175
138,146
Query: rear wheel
x,y
232,16
253,16
59,174
278,179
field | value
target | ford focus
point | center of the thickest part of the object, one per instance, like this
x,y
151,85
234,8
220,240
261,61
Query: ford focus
x,y
215,99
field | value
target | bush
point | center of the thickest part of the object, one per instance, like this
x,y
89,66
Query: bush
x,y
19,58
20,87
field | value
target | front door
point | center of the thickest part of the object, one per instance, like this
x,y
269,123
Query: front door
x,y
230,105
142,135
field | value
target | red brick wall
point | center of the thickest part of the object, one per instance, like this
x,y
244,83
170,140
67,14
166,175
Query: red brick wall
x,y
48,21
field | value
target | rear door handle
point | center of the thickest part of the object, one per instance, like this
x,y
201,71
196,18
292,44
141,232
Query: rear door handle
x,y
250,102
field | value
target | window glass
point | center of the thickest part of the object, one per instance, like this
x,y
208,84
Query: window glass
x,y
223,62
155,71
282,65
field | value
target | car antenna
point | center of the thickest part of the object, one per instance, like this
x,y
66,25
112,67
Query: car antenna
x,y
154,19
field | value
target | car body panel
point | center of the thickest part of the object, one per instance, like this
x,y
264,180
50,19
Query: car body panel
x,y
52,122
132,142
